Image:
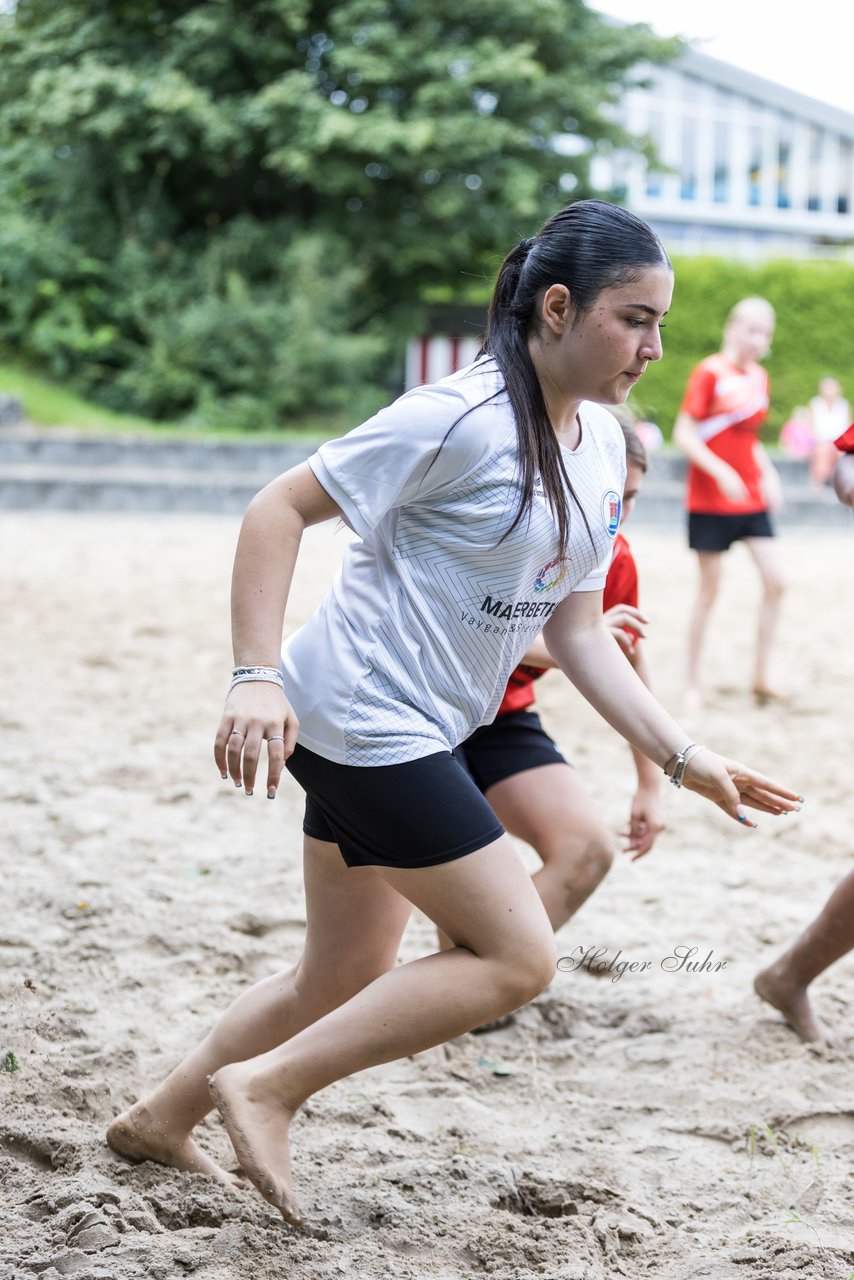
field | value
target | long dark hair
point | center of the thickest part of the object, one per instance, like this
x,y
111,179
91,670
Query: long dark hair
x,y
588,246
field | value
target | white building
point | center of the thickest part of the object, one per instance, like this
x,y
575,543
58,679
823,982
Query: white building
x,y
750,169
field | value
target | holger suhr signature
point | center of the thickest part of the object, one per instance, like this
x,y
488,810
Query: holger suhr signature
x,y
600,961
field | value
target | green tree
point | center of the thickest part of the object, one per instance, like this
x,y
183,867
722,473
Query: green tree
x,y
232,211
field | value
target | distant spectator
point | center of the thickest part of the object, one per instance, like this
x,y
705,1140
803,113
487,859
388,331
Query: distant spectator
x,y
733,488
830,414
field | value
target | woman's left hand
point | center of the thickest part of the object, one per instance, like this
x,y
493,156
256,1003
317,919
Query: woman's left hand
x,y
646,821
732,787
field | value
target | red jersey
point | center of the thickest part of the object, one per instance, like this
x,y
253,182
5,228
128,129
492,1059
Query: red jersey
x,y
845,442
621,587
729,405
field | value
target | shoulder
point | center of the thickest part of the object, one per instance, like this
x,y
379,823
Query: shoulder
x,y
605,427
701,384
474,400
608,439
710,367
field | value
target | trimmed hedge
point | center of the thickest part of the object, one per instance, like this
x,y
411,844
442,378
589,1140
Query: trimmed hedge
x,y
814,301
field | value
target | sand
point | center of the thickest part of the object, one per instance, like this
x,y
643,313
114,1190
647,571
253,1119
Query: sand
x,y
663,1124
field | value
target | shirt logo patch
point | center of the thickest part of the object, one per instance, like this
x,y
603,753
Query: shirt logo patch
x,y
551,574
612,506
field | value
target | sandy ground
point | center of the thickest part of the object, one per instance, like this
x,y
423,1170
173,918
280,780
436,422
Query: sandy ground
x,y
665,1124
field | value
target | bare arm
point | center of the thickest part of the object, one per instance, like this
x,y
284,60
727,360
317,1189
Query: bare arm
x,y
264,563
646,816
578,639
537,655
617,619
687,439
843,479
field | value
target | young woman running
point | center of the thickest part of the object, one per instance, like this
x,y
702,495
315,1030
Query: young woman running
x,y
733,488
484,510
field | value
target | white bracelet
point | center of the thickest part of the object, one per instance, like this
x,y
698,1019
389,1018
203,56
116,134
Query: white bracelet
x,y
270,675
680,761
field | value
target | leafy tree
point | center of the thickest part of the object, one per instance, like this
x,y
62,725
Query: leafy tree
x,y
233,210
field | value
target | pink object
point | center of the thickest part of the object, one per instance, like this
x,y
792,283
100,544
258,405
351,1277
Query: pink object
x,y
797,438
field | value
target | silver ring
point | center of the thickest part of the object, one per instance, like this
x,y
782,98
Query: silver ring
x,y
277,737
237,731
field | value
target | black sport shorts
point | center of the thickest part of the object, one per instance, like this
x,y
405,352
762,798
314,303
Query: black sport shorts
x,y
415,814
712,532
510,745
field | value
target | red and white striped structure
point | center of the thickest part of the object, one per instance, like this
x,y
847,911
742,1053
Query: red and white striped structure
x,y
434,356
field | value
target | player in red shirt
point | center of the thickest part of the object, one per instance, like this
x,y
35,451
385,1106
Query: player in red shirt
x,y
732,486
538,797
784,984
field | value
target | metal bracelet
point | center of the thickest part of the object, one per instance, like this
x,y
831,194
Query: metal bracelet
x,y
267,674
680,760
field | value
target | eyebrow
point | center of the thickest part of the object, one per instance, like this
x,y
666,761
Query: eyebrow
x,y
642,306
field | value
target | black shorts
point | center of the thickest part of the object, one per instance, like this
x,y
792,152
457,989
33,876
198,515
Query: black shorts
x,y
510,745
416,814
708,531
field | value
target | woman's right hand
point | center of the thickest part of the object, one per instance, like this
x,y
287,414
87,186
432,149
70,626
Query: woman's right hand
x,y
733,786
255,711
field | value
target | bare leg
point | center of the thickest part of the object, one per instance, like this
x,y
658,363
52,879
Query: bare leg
x,y
822,462
355,921
550,810
503,956
709,564
766,554
829,937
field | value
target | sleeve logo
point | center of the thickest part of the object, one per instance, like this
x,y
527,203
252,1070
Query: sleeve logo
x,y
551,575
612,506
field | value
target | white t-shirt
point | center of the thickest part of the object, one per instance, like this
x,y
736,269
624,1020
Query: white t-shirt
x,y
829,420
412,647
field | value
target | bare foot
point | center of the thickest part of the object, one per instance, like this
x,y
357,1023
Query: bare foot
x,y
793,1002
765,695
136,1135
258,1126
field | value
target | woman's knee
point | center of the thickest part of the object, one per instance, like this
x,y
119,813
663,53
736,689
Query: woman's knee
x,y
521,977
774,586
582,858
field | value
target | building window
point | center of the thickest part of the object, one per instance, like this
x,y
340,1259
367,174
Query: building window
x,y
784,163
688,189
722,150
843,200
754,171
654,177
816,151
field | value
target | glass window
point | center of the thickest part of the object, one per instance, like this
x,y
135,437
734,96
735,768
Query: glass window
x,y
654,177
689,159
843,200
721,183
754,170
784,163
816,153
